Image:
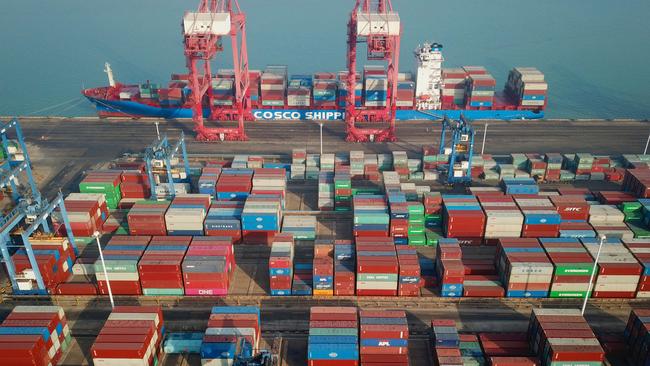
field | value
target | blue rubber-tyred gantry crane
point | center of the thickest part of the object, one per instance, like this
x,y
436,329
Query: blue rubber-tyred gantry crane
x,y
30,211
460,149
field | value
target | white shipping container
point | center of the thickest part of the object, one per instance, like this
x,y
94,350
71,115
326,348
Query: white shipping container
x,y
117,276
378,285
135,316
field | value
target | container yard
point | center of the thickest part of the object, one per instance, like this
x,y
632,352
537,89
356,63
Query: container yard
x,y
327,249
127,243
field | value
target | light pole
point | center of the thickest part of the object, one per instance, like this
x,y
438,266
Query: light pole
x,y
321,137
645,151
593,273
157,130
101,256
484,135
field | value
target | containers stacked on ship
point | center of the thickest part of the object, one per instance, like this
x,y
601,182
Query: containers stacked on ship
x,y
463,217
161,266
540,218
224,219
563,336
445,342
371,216
132,335
524,268
637,337
301,227
230,327
323,269
281,265
453,88
186,214
344,268
254,81
261,219
274,86
325,92
405,98
149,91
387,342
618,271
55,258
449,268
121,257
479,88
343,91
375,82
299,91
86,213
640,248
106,182
34,335
409,281
234,184
222,91
377,267
572,264
333,336
208,266
526,86
172,96
503,217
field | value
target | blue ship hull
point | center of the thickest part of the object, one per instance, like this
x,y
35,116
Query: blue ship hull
x,y
136,109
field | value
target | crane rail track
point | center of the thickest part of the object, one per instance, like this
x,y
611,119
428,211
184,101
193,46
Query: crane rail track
x,y
305,302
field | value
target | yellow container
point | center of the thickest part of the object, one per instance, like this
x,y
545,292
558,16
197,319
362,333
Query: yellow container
x,y
323,292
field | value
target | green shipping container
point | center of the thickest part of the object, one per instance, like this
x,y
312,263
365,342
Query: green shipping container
x,y
415,229
118,266
163,291
333,331
574,269
568,294
417,240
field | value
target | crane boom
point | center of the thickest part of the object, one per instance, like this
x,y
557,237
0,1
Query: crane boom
x,y
376,24
203,32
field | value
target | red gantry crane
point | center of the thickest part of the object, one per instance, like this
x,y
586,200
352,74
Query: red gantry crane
x,y
203,32
376,24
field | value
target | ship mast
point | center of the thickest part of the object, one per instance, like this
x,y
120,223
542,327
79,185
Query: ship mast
x,y
109,72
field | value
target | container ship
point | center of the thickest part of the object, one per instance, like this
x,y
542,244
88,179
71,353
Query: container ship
x,y
431,92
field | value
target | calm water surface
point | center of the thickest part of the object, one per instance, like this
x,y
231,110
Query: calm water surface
x,y
594,53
